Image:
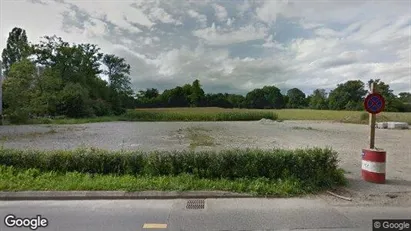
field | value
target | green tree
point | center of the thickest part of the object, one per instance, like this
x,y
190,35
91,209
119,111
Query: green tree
x,y
318,100
197,94
392,103
47,87
267,97
149,93
176,97
347,96
296,98
237,101
74,101
17,49
118,73
405,97
18,91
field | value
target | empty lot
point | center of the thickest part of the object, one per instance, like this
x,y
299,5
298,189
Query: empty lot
x,y
346,139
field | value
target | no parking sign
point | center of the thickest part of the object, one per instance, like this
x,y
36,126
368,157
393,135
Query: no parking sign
x,y
374,103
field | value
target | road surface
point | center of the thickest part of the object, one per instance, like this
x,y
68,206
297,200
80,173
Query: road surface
x,y
218,214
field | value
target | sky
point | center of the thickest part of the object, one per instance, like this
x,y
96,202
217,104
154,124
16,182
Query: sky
x,y
233,46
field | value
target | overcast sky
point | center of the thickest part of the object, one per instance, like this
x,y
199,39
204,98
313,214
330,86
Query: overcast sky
x,y
233,45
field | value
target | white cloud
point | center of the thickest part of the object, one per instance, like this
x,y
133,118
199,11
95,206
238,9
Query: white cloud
x,y
314,45
159,14
269,10
202,19
220,12
218,36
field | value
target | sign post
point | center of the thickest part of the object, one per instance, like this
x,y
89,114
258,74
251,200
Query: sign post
x,y
373,161
372,120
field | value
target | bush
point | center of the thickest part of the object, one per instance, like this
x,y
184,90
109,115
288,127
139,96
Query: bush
x,y
310,166
101,107
245,115
20,116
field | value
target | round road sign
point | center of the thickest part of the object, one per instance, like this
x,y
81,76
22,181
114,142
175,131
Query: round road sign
x,y
374,103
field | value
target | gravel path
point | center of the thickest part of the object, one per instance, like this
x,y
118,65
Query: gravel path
x,y
347,139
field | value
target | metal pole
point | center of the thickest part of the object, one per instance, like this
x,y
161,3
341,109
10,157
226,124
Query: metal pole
x,y
372,123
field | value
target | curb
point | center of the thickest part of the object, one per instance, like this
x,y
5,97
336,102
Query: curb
x,y
116,195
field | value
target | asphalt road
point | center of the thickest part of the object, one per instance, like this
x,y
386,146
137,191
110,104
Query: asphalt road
x,y
218,214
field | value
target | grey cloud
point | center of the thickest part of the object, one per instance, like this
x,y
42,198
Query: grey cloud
x,y
337,61
308,60
39,2
77,20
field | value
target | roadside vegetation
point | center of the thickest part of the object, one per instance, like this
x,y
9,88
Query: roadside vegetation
x,y
54,81
270,173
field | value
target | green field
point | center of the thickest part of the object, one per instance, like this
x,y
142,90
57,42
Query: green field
x,y
290,114
221,114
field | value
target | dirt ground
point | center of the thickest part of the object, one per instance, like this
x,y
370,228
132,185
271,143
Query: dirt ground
x,y
347,139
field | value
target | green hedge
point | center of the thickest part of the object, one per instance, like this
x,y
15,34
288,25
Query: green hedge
x,y
314,166
137,115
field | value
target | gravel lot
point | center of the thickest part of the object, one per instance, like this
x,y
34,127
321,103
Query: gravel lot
x,y
347,139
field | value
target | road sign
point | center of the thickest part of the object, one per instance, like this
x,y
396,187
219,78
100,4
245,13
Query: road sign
x,y
374,103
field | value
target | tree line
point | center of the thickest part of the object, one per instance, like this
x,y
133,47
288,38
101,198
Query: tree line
x,y
346,96
56,78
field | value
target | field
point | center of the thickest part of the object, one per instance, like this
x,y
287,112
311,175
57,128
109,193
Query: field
x,y
358,117
222,114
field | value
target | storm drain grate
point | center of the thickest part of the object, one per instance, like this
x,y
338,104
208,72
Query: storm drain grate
x,y
195,204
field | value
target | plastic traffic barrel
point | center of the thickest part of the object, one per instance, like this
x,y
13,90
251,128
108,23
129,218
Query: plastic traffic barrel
x,y
373,165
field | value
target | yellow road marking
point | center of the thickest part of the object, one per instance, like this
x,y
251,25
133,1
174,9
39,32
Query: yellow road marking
x,y
154,226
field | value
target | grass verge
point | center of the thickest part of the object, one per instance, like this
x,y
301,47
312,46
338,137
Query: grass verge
x,y
12,179
263,172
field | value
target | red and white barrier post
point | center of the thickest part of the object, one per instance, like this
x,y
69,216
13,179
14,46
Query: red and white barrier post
x,y
373,160
373,166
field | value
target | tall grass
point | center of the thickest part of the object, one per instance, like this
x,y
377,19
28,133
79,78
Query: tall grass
x,y
184,115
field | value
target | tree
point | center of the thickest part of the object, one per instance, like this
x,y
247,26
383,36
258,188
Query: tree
x,y
197,94
392,103
47,87
16,50
296,98
405,97
237,101
318,100
347,96
267,97
149,93
19,90
175,97
118,73
274,97
74,101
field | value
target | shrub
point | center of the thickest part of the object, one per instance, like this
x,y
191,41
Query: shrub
x,y
101,107
309,166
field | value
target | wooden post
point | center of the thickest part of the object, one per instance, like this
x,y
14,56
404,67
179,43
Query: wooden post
x,y
372,123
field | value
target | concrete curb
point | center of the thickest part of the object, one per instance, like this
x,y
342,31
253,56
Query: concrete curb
x,y
116,195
